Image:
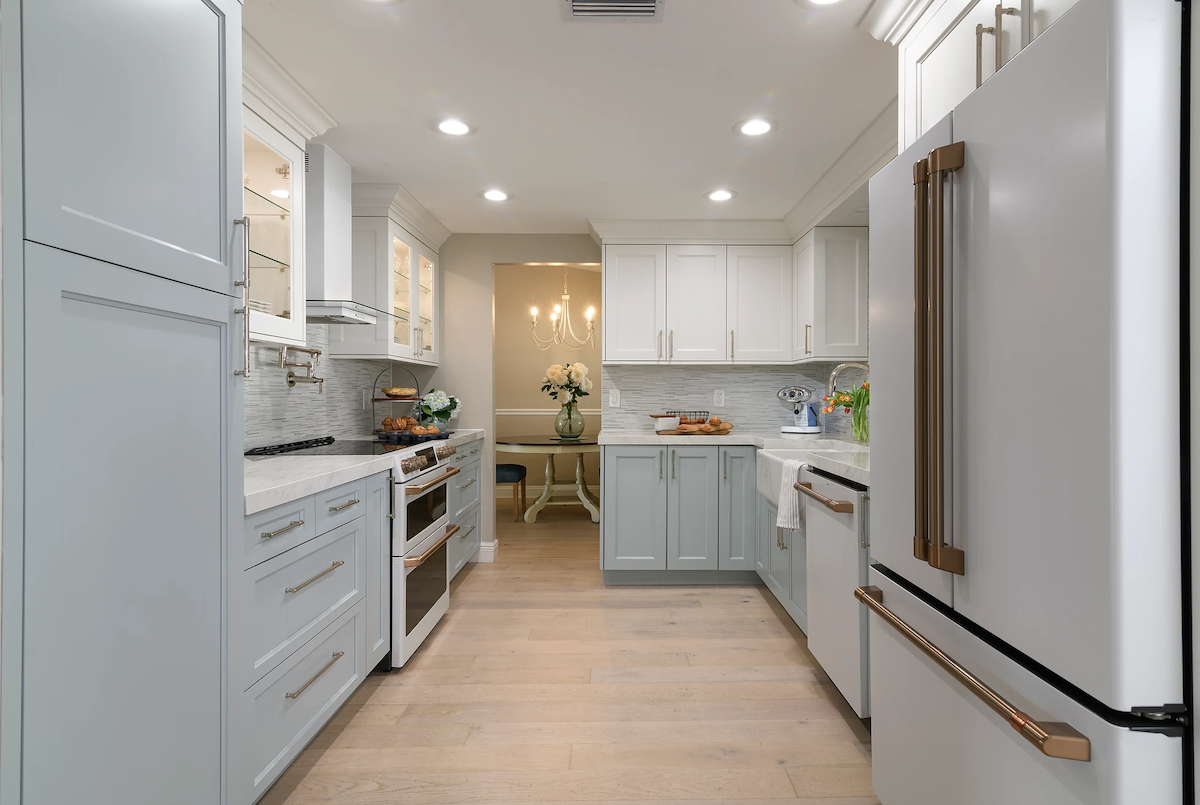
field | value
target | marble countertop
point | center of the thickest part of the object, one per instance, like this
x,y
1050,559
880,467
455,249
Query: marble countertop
x,y
276,480
843,459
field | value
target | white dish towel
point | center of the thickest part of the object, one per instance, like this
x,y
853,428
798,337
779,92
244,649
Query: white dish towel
x,y
789,498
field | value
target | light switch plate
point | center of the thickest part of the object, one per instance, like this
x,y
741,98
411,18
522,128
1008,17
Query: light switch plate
x,y
614,398
719,398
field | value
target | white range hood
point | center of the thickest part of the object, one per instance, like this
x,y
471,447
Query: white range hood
x,y
327,241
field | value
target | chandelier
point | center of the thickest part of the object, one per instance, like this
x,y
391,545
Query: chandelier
x,y
561,332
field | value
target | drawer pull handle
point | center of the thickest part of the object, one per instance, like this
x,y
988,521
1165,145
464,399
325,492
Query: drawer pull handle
x,y
284,530
466,533
329,569
468,483
417,561
346,505
337,655
419,488
840,506
1054,739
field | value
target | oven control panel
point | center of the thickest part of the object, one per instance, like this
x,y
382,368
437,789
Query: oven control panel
x,y
419,461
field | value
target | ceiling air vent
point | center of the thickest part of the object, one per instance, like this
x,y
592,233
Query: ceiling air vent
x,y
617,10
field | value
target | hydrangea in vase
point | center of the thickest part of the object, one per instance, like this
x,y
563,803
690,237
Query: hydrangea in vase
x,y
437,408
855,402
565,385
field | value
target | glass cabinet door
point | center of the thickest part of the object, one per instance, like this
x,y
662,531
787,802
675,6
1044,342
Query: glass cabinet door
x,y
426,308
272,198
401,292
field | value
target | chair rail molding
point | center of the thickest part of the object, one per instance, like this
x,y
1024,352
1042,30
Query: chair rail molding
x,y
272,92
541,411
393,201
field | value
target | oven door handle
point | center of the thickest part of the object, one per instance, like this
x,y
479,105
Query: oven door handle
x,y
419,488
417,561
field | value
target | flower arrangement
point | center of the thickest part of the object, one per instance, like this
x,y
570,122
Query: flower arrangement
x,y
566,384
438,406
854,402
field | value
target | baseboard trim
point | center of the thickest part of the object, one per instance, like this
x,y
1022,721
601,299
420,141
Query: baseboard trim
x,y
486,552
740,578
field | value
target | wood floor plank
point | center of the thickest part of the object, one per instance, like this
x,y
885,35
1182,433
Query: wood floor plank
x,y
492,676
593,660
541,757
705,673
831,781
769,709
621,732
717,755
700,691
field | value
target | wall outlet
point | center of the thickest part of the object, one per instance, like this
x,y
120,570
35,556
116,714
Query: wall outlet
x,y
719,398
614,398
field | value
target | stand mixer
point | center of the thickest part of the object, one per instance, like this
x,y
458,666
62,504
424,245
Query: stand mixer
x,y
806,416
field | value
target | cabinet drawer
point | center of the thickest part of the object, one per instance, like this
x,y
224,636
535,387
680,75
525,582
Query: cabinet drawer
x,y
465,543
296,594
471,451
341,504
271,532
464,491
287,708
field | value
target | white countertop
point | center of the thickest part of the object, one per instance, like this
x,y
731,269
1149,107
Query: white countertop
x,y
851,461
276,480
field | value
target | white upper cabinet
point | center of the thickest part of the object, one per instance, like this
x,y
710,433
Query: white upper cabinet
x,y
273,203
127,155
759,303
830,286
953,47
426,302
696,331
635,303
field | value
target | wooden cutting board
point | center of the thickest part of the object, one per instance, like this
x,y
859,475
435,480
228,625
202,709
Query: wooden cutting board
x,y
693,433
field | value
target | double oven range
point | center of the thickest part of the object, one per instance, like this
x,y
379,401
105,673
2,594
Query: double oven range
x,y
420,515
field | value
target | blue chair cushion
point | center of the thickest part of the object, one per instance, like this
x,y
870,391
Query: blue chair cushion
x,y
509,473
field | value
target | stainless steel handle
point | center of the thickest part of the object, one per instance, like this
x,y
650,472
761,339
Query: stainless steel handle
x,y
725,466
346,505
337,655
732,351
660,464
660,343
1001,12
392,510
807,329
779,538
244,284
1054,739
466,533
839,506
671,345
672,465
468,483
920,360
417,561
329,569
942,162
290,526
979,32
419,488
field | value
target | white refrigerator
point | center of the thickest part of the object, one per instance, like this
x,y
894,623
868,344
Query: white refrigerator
x,y
1027,592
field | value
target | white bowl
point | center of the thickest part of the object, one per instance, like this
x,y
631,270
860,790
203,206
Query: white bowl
x,y
662,423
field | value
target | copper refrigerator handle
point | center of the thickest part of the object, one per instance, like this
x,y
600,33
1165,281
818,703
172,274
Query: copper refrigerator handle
x,y
417,561
839,506
942,161
1054,739
920,360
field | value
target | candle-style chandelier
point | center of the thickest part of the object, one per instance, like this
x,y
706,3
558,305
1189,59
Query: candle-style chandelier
x,y
561,332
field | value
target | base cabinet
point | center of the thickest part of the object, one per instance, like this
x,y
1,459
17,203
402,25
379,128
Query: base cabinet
x,y
692,510
737,501
633,521
378,561
781,563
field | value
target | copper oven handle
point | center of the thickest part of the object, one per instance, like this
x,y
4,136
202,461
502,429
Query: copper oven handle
x,y
417,561
419,488
920,360
1054,739
840,506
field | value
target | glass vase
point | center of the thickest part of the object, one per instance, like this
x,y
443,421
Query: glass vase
x,y
569,422
860,425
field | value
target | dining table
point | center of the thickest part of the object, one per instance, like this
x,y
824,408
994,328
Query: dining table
x,y
553,492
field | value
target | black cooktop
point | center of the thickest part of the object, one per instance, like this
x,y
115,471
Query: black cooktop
x,y
325,446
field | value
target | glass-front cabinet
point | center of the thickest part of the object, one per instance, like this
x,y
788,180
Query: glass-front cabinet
x,y
397,275
273,202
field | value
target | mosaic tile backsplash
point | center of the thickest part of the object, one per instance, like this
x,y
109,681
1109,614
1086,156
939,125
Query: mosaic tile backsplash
x,y
750,401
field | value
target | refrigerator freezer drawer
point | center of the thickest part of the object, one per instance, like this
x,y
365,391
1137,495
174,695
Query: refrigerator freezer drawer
x,y
935,743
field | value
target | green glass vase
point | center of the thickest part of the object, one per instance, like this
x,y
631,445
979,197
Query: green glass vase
x,y
569,422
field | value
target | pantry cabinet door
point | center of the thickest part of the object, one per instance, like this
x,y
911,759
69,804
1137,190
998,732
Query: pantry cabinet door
x,y
759,299
133,142
737,500
635,303
696,305
693,529
840,290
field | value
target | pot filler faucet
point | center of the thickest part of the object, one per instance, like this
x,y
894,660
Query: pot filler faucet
x,y
837,370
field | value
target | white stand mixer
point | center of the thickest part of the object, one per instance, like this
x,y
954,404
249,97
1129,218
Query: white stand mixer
x,y
805,414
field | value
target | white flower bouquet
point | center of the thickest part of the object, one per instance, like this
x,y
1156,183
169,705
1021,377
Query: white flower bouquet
x,y
439,407
566,384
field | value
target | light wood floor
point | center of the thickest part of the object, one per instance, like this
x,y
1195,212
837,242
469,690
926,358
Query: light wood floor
x,y
540,685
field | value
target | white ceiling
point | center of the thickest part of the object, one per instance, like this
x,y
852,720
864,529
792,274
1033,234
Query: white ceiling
x,y
580,120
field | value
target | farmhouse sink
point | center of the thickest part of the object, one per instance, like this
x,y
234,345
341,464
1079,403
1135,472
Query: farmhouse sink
x,y
769,470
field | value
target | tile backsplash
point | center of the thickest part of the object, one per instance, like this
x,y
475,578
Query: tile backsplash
x,y
275,413
750,401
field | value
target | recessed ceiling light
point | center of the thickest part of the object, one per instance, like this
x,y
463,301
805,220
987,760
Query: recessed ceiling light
x,y
720,195
280,193
754,126
496,195
455,127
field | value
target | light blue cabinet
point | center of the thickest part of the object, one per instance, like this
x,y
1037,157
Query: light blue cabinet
x,y
692,509
634,522
781,562
737,502
797,570
378,528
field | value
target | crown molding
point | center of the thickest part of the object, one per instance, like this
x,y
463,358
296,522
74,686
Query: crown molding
x,y
393,201
268,87
890,20
873,149
732,232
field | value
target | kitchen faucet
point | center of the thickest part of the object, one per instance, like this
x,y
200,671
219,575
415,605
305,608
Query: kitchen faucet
x,y
837,370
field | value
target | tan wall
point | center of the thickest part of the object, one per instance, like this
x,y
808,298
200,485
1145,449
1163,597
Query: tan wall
x,y
520,365
466,368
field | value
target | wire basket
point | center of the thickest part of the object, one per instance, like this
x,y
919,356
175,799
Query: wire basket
x,y
689,414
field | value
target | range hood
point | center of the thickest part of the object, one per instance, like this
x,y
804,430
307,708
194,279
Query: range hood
x,y
327,241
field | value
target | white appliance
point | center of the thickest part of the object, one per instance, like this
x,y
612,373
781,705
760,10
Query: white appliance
x,y
1026,591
